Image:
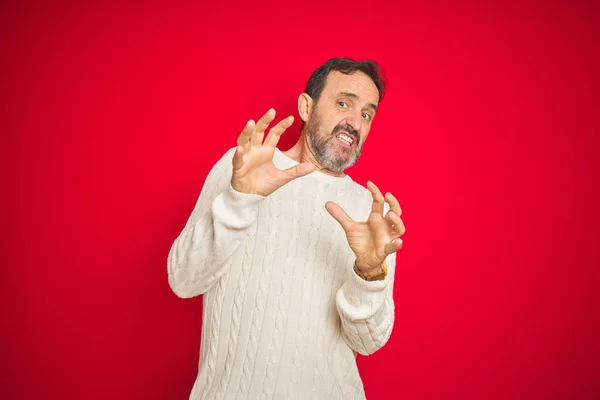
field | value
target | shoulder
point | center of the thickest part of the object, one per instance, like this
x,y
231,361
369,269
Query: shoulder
x,y
228,156
225,161
223,168
358,190
364,198
356,200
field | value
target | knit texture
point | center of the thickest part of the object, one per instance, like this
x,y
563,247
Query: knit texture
x,y
284,314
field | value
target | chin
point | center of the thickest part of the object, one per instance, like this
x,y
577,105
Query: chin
x,y
340,165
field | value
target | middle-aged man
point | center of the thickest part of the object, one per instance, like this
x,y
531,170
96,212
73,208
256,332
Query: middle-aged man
x,y
295,260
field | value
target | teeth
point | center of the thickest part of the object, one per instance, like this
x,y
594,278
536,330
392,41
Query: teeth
x,y
345,138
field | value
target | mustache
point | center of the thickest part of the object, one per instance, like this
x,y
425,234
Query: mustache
x,y
347,128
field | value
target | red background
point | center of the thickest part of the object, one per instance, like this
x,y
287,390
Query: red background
x,y
113,115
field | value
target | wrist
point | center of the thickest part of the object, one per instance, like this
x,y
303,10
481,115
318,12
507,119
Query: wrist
x,y
238,187
372,274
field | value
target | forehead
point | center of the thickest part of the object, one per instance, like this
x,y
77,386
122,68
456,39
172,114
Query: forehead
x,y
357,83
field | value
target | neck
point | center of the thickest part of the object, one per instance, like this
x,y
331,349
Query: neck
x,y
301,152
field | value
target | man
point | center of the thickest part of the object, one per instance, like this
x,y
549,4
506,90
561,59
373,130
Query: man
x,y
290,293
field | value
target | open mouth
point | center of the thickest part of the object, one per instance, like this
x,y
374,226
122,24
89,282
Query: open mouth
x,y
345,139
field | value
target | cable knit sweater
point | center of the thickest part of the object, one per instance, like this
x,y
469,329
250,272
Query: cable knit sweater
x,y
284,314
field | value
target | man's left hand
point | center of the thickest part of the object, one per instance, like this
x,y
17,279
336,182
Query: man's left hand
x,y
373,240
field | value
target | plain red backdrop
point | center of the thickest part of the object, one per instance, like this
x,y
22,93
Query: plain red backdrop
x,y
112,116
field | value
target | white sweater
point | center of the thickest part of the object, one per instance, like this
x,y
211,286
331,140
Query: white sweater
x,y
283,311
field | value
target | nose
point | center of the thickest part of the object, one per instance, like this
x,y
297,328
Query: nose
x,y
355,121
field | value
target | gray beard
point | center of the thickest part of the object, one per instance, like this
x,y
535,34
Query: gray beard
x,y
325,151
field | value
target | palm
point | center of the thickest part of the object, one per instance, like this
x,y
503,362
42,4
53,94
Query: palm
x,y
253,168
373,240
368,240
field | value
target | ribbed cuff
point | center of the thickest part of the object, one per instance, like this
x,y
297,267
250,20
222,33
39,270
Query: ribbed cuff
x,y
358,299
236,210
359,286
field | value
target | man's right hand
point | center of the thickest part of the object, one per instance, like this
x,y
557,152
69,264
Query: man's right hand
x,y
253,168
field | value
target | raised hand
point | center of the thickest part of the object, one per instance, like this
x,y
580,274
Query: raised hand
x,y
253,168
373,240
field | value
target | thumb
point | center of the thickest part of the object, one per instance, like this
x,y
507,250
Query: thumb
x,y
339,215
393,246
238,158
297,171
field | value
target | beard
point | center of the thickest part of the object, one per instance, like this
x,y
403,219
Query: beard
x,y
329,154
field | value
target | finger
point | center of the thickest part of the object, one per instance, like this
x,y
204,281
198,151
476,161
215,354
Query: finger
x,y
378,199
393,246
394,205
261,125
238,158
339,215
395,223
244,138
276,131
297,171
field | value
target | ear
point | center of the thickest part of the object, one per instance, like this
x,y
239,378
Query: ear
x,y
305,103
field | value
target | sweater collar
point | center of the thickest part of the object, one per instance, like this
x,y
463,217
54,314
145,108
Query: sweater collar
x,y
282,161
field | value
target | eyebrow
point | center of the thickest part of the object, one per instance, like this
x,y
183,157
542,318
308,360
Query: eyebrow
x,y
352,95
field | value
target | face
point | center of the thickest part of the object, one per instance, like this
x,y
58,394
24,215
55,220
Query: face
x,y
340,121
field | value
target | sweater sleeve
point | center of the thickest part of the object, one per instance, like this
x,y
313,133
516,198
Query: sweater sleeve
x,y
218,225
366,310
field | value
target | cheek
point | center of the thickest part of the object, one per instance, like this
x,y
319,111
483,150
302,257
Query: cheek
x,y
330,125
333,118
364,137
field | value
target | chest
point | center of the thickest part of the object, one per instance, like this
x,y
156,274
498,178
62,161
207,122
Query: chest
x,y
294,220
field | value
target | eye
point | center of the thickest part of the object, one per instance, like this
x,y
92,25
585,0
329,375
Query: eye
x,y
342,104
366,116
